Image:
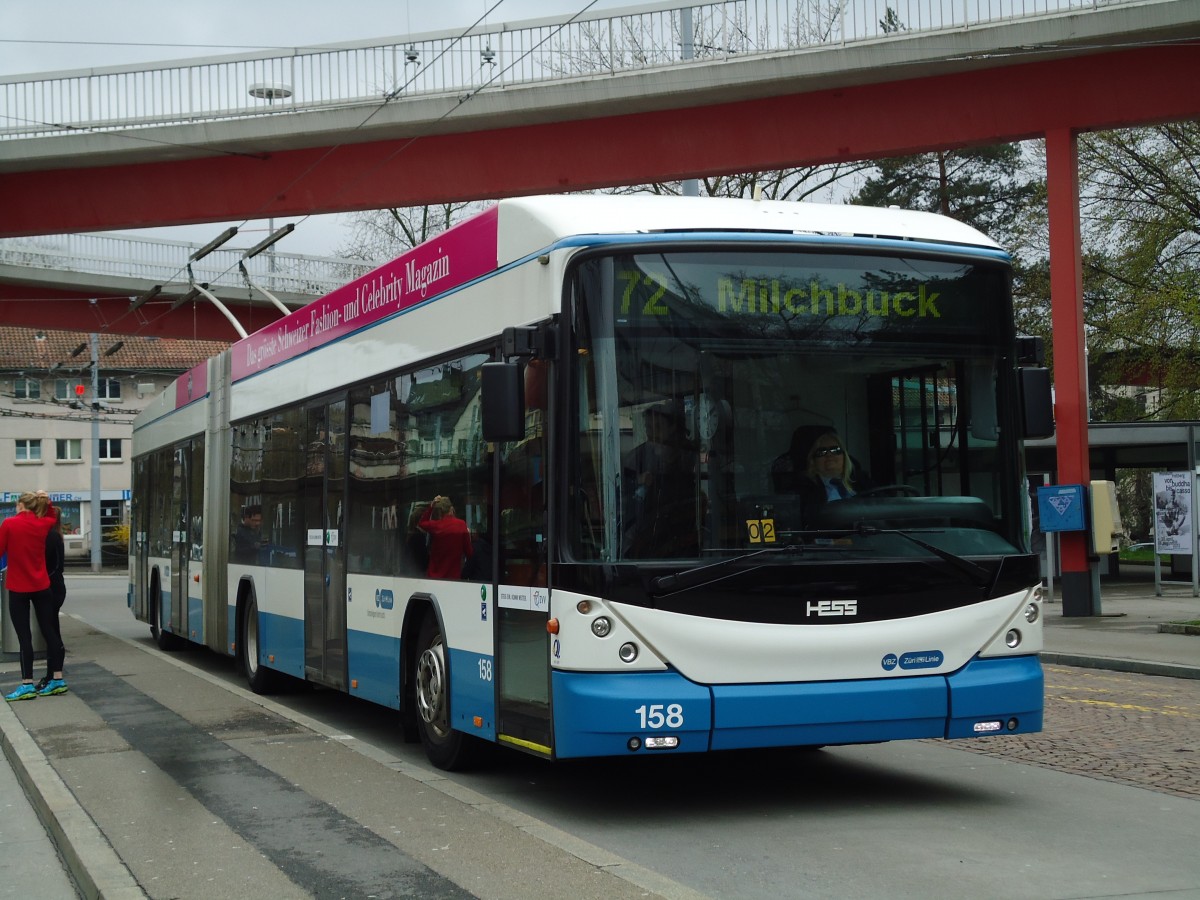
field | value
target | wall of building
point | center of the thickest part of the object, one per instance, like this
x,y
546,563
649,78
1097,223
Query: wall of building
x,y
47,445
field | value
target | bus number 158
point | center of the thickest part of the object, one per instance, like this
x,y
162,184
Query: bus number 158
x,y
658,715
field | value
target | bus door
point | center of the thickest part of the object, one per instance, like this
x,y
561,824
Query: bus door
x,y
180,517
324,552
139,545
523,645
187,534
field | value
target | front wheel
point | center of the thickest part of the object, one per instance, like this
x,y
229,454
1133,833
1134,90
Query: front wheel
x,y
446,748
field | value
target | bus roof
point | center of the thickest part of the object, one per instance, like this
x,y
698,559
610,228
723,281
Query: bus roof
x,y
529,224
519,227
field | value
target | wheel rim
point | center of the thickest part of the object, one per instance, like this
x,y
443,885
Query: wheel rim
x,y
431,687
251,639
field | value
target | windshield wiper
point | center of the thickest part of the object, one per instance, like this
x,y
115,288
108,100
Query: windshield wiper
x,y
698,576
975,573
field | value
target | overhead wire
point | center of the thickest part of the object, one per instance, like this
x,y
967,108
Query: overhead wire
x,y
387,99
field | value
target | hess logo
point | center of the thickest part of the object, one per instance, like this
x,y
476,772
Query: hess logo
x,y
832,608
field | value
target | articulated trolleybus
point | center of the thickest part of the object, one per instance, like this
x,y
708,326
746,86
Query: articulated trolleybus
x,y
618,396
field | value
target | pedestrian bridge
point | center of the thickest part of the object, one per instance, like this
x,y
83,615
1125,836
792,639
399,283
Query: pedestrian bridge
x,y
112,270
650,93
653,93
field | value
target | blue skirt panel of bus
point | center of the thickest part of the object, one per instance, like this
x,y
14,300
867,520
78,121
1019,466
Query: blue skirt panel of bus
x,y
374,663
283,638
831,712
597,714
996,690
472,693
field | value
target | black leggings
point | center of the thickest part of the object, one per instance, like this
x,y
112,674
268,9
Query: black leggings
x,y
46,609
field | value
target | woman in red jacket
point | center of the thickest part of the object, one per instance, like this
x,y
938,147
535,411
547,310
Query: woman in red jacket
x,y
23,539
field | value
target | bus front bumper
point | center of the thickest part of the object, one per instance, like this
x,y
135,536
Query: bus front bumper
x,y
618,714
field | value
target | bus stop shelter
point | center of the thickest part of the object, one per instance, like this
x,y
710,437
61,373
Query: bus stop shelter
x,y
1155,446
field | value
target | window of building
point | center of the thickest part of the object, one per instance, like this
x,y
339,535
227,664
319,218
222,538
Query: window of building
x,y
27,389
29,450
110,448
108,389
68,450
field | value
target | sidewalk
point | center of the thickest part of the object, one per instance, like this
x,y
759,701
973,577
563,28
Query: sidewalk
x,y
1125,636
64,855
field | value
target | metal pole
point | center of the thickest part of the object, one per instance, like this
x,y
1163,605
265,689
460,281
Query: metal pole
x,y
1194,475
95,514
691,186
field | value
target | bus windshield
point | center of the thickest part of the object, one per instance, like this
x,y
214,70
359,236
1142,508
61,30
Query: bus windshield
x,y
831,402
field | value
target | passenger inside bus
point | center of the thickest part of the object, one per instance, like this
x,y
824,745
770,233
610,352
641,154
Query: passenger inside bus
x,y
248,542
449,539
660,482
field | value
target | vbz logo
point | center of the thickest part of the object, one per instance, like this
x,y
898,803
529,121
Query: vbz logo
x,y
383,599
833,608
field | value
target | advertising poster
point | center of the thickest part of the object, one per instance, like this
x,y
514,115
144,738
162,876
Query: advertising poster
x,y
1173,512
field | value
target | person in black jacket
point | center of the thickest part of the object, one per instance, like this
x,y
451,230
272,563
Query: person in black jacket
x,y
55,556
817,467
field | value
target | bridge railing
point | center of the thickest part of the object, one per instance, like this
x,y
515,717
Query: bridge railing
x,y
165,262
486,57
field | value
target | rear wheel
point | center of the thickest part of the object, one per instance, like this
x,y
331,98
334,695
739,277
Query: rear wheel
x,y
446,748
166,640
260,680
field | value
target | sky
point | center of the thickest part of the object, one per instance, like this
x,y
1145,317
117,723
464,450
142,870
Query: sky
x,y
56,35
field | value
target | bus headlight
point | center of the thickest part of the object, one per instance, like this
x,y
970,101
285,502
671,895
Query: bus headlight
x,y
601,626
1013,639
1032,612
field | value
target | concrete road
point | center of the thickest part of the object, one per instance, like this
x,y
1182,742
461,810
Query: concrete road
x,y
206,790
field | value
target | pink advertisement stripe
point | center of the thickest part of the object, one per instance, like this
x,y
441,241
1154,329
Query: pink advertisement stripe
x,y
453,258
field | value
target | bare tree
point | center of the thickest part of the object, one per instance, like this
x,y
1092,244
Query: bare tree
x,y
378,235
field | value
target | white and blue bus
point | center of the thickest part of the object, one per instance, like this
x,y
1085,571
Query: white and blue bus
x,y
617,394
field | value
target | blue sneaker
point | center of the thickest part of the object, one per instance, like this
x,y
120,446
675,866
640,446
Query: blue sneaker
x,y
23,692
53,686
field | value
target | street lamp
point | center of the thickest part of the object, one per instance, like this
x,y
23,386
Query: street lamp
x,y
270,91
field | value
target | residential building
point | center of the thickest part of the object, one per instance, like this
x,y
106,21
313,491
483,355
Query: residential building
x,y
48,401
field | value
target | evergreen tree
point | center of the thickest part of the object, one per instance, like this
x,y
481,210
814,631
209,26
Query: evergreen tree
x,y
989,188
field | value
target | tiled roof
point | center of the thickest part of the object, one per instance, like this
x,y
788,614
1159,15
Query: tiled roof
x,y
21,349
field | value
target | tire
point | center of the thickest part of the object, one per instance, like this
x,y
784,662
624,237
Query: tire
x,y
166,640
445,747
259,679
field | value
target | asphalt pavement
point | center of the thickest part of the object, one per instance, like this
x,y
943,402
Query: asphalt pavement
x,y
51,848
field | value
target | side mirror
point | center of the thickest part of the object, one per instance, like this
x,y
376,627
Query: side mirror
x,y
1037,403
503,402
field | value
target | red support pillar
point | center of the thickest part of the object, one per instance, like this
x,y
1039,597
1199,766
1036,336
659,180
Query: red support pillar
x,y
1079,592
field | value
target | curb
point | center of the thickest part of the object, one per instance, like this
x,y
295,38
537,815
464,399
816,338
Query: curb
x,y
1178,628
98,872
1136,666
